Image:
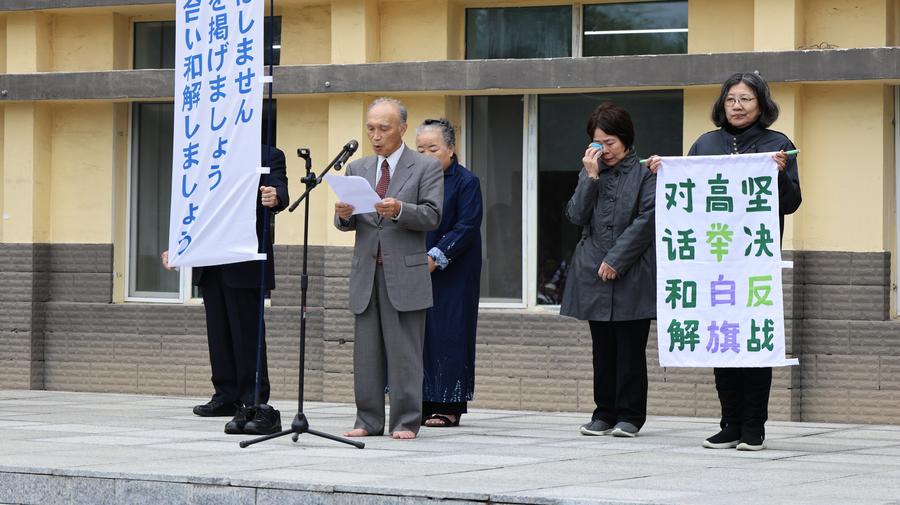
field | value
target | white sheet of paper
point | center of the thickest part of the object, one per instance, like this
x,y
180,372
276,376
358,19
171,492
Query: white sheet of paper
x,y
354,190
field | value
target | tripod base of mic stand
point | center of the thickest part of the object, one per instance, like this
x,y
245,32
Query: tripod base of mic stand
x,y
299,426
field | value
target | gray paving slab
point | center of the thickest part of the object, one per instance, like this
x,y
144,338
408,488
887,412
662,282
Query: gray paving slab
x,y
150,449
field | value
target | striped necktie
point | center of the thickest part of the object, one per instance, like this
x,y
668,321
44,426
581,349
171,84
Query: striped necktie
x,y
385,180
381,189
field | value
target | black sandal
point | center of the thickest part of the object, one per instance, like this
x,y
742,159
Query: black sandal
x,y
445,421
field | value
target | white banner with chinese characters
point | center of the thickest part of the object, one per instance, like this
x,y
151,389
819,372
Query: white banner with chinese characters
x,y
216,145
719,299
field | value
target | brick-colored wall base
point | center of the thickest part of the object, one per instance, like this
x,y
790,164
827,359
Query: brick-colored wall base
x,y
59,330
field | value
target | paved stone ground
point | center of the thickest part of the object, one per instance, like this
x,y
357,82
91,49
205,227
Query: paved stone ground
x,y
63,448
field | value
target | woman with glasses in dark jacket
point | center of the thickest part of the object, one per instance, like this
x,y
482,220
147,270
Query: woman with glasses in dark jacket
x,y
743,112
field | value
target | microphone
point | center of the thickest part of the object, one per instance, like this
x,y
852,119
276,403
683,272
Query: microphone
x,y
346,153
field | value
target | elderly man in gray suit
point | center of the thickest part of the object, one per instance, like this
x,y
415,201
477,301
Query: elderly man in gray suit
x,y
390,285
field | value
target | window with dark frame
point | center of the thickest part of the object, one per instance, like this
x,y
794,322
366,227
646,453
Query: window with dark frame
x,y
495,138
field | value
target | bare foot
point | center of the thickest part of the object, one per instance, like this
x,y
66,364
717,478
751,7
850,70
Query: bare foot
x,y
403,435
357,432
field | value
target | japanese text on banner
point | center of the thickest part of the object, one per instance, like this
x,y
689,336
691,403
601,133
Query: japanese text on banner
x,y
216,146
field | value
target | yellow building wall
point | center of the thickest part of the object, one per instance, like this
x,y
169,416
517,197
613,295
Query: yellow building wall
x,y
698,103
346,120
120,218
789,98
893,23
411,31
81,189
26,172
847,23
777,25
843,168
720,26
354,31
456,32
28,42
2,44
122,50
83,42
303,122
890,167
305,34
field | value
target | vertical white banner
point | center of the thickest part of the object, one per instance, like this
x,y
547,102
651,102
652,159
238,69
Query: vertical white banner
x,y
718,291
216,148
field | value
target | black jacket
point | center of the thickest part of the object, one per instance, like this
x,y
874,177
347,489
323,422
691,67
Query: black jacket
x,y
757,139
246,273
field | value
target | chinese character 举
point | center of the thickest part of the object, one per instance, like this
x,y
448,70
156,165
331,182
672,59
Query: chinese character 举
x,y
719,237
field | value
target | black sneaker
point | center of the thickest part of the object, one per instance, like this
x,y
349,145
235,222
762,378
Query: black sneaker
x,y
216,408
751,443
625,429
728,438
596,427
266,420
239,421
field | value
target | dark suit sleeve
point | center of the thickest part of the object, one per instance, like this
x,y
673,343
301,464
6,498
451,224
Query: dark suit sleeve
x,y
278,178
789,197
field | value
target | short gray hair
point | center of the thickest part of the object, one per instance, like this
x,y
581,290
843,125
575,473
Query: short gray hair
x,y
448,133
393,101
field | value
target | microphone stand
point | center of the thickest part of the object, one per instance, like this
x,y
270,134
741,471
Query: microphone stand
x,y
300,424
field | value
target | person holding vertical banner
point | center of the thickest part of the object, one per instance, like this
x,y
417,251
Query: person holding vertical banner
x,y
743,111
231,302
612,277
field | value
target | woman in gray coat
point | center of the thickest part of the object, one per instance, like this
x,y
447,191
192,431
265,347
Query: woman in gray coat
x,y
612,279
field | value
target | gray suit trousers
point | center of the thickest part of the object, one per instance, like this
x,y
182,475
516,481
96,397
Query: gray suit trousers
x,y
387,350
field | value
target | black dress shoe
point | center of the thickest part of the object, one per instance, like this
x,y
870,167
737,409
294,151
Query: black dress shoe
x,y
240,419
266,421
216,408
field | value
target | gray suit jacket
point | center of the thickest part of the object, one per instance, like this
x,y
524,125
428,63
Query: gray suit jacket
x,y
418,182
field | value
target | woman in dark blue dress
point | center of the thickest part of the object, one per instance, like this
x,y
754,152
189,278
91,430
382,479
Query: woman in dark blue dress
x,y
454,259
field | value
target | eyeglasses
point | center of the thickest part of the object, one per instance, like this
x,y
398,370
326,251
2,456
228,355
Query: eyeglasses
x,y
744,100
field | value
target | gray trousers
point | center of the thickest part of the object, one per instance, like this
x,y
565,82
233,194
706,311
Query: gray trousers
x,y
387,351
